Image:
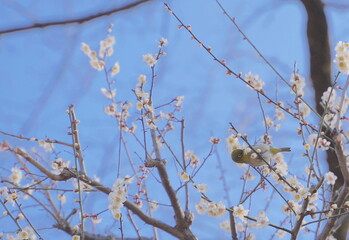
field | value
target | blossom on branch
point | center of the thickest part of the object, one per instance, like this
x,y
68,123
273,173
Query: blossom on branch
x,y
342,57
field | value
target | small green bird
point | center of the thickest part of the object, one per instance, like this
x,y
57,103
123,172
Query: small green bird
x,y
249,156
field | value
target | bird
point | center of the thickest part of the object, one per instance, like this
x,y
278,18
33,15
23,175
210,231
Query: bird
x,y
250,156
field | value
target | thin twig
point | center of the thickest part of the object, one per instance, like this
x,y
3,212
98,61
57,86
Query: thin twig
x,y
47,140
79,162
10,214
229,70
26,218
185,167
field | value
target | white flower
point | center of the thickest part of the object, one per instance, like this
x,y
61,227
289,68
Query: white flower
x,y
115,69
163,41
248,175
47,146
16,175
322,143
280,234
279,114
304,110
201,206
254,81
75,237
202,188
95,219
179,100
26,233
225,225
111,109
330,178
262,220
142,79
85,49
118,196
149,59
108,94
62,198
342,57
290,207
232,143
154,205
215,209
298,84
240,212
4,191
267,121
183,176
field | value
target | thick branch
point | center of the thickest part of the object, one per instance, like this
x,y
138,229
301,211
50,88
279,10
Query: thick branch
x,y
303,211
80,20
320,64
67,174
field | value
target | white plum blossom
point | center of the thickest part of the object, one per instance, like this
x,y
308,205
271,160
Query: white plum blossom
x,y
232,143
215,209
332,101
105,49
225,226
184,176
322,143
211,208
48,147
115,69
194,161
262,220
149,59
16,175
108,94
342,57
304,110
202,188
118,196
254,82
298,84
201,206
330,178
240,212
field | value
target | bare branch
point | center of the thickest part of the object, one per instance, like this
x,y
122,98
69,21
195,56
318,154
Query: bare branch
x,y
67,174
80,20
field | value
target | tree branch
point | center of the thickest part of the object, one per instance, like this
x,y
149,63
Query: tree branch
x,y
67,174
80,20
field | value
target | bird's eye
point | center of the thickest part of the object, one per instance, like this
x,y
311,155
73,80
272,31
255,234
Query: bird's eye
x,y
240,155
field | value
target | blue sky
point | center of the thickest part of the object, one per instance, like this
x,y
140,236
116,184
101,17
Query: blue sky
x,y
43,71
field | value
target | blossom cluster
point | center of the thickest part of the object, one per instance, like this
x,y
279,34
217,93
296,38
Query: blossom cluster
x,y
342,57
331,101
26,233
240,212
298,84
194,160
16,175
210,208
48,147
322,143
118,196
106,48
59,164
9,196
254,82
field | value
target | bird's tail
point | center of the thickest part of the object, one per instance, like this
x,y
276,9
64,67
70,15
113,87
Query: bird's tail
x,y
287,149
276,150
